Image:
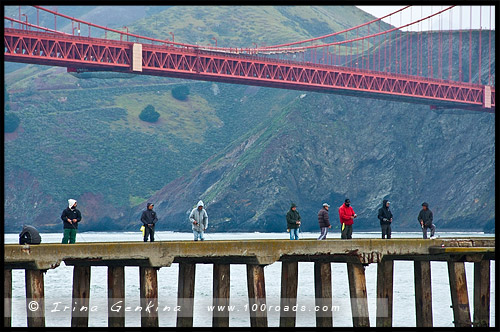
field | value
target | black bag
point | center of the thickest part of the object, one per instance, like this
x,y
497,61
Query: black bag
x,y
29,235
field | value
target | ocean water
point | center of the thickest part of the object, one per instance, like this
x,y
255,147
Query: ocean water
x,y
58,286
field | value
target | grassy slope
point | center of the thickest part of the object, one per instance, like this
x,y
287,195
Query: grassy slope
x,y
83,135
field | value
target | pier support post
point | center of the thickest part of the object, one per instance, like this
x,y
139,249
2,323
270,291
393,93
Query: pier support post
x,y
323,293
221,294
423,293
81,291
7,297
482,293
357,290
385,274
257,295
289,279
459,295
116,293
35,298
149,296
185,294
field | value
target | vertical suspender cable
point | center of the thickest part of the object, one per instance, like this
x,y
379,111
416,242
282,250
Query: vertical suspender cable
x,y
440,48
379,46
480,19
345,47
363,53
450,49
470,44
410,50
430,47
350,54
385,52
420,49
357,51
460,48
400,45
390,47
489,53
428,50
368,49
407,49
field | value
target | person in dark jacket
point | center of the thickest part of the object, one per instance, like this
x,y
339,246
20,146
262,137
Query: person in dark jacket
x,y
293,222
425,217
149,220
385,217
71,216
29,235
324,221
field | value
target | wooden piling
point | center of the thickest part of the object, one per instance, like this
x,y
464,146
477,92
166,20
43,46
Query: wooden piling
x,y
423,293
459,295
482,294
149,296
35,298
257,295
221,286
7,297
357,290
185,294
289,280
116,296
323,293
385,274
81,292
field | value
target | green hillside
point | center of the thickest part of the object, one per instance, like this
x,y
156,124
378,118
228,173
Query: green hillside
x,y
247,151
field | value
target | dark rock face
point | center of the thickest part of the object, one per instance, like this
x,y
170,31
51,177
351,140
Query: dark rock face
x,y
324,148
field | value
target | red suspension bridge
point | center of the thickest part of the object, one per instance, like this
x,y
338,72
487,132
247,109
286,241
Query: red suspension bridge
x,y
443,68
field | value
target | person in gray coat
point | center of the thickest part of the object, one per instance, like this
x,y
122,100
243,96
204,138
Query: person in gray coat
x,y
199,221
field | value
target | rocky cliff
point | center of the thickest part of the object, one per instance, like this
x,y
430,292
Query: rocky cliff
x,y
324,148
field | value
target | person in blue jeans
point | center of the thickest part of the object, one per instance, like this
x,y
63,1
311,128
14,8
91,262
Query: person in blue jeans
x,y
199,221
293,222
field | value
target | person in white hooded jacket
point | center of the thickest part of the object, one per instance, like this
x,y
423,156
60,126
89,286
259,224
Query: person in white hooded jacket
x,y
199,220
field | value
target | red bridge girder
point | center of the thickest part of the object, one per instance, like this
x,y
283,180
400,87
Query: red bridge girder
x,y
102,54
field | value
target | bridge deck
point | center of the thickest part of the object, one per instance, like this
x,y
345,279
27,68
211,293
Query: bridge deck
x,y
164,253
192,63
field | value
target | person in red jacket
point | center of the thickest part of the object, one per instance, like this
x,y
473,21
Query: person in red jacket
x,y
346,215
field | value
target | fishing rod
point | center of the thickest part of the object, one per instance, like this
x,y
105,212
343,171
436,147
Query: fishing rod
x,y
78,233
155,232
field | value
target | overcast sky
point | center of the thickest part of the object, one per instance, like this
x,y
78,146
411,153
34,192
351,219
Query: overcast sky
x,y
416,12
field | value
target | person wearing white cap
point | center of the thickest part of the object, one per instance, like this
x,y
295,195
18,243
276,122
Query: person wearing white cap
x,y
71,216
324,221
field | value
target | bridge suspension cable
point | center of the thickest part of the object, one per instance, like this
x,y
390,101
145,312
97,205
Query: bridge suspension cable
x,y
335,33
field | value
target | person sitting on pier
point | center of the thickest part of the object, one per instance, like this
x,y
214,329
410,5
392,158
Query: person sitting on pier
x,y
199,221
385,217
29,235
149,220
324,221
71,216
293,222
425,218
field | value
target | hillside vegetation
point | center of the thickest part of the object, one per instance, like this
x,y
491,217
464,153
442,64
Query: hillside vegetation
x,y
246,151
